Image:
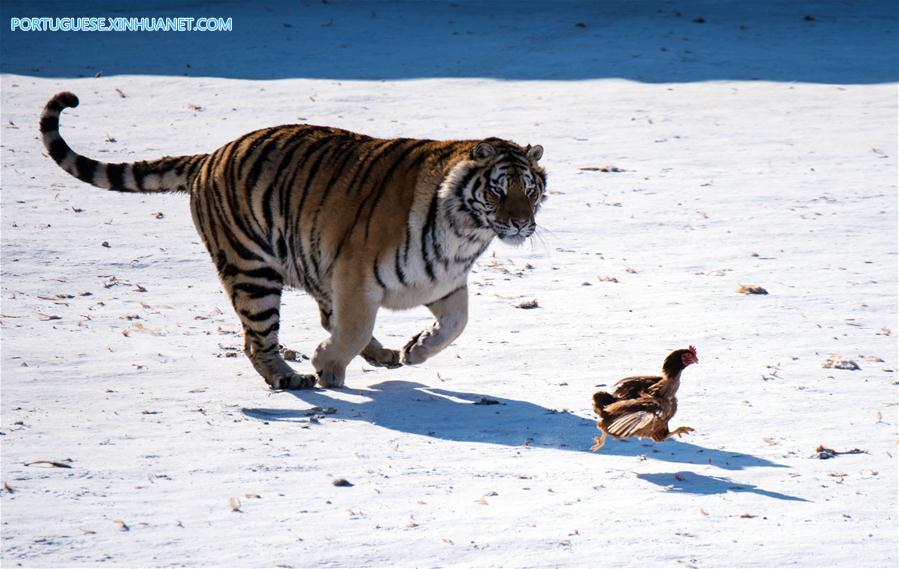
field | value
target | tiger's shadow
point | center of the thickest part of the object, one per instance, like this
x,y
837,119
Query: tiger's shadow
x,y
418,409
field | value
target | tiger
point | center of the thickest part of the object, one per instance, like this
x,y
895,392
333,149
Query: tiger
x,y
359,223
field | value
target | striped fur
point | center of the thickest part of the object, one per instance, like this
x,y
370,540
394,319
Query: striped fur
x,y
357,222
164,175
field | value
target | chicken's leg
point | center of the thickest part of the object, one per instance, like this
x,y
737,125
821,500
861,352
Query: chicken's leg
x,y
598,442
680,431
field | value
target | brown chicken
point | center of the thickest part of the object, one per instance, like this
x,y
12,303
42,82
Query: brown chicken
x,y
641,406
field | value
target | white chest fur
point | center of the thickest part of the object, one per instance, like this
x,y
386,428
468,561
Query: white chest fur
x,y
435,258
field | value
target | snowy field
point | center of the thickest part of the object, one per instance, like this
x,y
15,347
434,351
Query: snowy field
x,y
755,147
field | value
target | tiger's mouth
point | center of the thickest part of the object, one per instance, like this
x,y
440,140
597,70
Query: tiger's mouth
x,y
516,239
513,235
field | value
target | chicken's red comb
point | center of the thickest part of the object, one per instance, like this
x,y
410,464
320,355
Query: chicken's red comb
x,y
693,351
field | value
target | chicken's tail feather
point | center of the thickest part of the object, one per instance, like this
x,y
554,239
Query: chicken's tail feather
x,y
600,400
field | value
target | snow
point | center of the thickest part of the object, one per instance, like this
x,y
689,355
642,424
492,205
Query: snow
x,y
759,156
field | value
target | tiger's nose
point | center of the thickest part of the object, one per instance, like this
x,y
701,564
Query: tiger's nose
x,y
519,222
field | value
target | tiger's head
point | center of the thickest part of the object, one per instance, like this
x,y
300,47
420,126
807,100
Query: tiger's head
x,y
506,188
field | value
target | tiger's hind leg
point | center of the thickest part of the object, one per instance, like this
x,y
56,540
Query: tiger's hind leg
x,y
258,306
253,285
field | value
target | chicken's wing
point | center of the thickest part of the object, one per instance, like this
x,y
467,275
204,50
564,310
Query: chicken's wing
x,y
633,387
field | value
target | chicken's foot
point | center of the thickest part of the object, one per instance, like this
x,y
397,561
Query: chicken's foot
x,y
598,442
680,431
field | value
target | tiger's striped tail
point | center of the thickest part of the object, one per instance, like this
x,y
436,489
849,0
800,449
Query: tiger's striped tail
x,y
168,174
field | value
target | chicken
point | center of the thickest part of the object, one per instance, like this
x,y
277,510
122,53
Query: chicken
x,y
642,406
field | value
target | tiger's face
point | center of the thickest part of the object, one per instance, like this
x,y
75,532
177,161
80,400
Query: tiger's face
x,y
510,189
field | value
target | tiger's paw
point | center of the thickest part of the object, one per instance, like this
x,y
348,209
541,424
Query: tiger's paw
x,y
293,381
414,352
408,358
391,359
327,378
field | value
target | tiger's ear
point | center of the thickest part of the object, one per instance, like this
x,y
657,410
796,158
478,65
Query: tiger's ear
x,y
483,151
534,153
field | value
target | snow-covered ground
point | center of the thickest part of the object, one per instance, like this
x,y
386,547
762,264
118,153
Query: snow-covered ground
x,y
758,148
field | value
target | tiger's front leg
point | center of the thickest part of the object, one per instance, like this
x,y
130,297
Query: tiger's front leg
x,y
374,353
451,313
355,306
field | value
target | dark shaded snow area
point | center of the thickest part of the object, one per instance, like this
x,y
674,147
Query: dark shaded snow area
x,y
835,41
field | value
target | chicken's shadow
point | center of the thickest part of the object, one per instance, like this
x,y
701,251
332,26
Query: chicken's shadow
x,y
477,418
692,483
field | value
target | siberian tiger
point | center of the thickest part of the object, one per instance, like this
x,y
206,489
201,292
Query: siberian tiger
x,y
357,222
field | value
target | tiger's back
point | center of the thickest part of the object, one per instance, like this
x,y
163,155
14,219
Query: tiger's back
x,y
296,178
357,222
